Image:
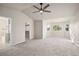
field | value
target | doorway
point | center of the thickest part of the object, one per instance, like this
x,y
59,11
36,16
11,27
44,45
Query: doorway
x,y
27,34
27,31
5,28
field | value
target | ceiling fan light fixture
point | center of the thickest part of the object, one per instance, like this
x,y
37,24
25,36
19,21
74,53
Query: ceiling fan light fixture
x,y
41,11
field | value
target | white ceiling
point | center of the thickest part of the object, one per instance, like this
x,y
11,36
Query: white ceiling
x,y
59,10
17,6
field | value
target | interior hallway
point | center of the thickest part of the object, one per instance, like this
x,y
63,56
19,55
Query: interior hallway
x,y
43,47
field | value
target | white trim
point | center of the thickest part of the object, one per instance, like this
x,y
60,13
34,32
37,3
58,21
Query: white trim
x,y
71,33
10,28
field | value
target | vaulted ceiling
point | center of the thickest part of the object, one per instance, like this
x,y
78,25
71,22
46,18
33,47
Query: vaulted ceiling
x,y
59,10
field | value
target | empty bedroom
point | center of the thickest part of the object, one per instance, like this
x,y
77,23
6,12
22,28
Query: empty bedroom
x,y
39,29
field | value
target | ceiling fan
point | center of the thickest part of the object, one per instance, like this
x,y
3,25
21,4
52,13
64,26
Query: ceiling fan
x,y
42,9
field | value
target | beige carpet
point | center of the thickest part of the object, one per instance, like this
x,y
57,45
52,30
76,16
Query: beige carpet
x,y
40,47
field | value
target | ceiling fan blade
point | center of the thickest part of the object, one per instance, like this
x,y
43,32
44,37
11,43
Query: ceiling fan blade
x,y
36,7
35,11
47,11
46,6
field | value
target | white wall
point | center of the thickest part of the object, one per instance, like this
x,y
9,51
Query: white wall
x,y
74,31
61,33
18,24
51,33
74,28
